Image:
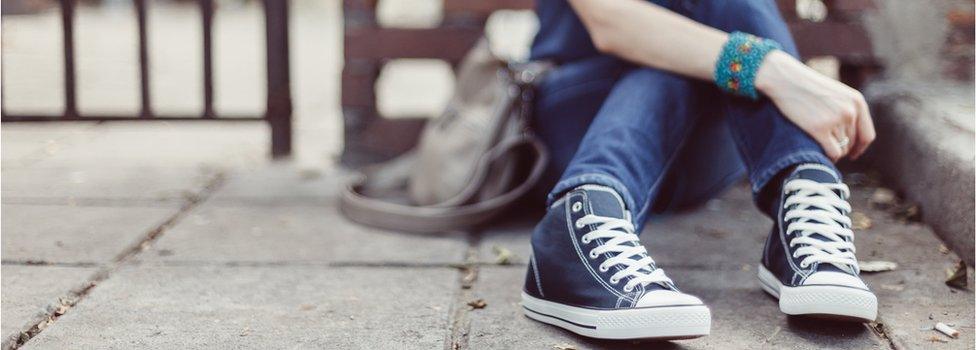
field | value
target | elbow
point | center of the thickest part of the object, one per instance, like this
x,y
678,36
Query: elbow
x,y
599,22
602,42
605,37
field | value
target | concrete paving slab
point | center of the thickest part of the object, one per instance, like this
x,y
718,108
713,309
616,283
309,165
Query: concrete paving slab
x,y
282,183
726,231
743,317
147,185
73,234
24,144
281,307
180,145
28,291
912,299
278,233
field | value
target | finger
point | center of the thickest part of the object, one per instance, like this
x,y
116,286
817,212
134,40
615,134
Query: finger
x,y
850,131
829,144
865,130
845,132
854,123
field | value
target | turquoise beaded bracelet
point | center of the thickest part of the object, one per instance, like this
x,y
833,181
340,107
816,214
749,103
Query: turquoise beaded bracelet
x,y
735,71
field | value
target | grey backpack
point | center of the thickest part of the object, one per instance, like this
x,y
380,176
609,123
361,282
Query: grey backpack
x,y
471,163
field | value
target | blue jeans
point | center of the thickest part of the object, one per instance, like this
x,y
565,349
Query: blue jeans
x,y
663,141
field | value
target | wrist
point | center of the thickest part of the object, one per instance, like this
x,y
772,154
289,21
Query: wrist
x,y
772,72
739,63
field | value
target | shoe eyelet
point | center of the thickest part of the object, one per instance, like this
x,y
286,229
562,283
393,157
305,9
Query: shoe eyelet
x,y
593,255
628,289
579,225
585,240
604,268
614,281
577,207
804,265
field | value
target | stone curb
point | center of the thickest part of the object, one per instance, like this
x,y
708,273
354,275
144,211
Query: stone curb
x,y
925,148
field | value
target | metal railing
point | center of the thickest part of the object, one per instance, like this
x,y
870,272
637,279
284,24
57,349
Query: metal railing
x,y
277,112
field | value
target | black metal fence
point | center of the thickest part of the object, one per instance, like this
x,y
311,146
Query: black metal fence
x,y
277,113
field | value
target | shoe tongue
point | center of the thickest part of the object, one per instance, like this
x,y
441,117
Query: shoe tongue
x,y
604,201
815,172
822,174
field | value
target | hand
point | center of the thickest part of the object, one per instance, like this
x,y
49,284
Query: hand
x,y
826,109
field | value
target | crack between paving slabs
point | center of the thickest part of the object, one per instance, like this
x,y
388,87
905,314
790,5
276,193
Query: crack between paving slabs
x,y
459,325
47,263
880,328
65,303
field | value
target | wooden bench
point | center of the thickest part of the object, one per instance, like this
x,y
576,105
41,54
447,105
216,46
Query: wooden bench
x,y
367,46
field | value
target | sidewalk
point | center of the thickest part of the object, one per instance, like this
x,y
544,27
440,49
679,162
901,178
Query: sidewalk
x,y
186,236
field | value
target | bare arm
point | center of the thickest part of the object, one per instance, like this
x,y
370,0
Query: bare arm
x,y
649,35
653,36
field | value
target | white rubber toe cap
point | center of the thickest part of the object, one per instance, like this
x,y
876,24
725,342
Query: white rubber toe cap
x,y
667,298
836,279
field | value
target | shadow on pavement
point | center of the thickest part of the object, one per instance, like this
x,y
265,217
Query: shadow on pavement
x,y
825,331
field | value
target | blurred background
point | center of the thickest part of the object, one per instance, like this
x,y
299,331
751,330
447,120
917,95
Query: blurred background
x,y
107,62
181,158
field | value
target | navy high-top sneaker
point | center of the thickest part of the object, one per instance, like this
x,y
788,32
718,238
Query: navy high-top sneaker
x,y
590,274
809,261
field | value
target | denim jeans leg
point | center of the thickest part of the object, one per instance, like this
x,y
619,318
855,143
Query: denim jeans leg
x,y
567,100
635,136
708,164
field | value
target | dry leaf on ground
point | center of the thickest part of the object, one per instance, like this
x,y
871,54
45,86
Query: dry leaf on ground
x,y
943,249
882,198
470,275
958,276
907,212
477,304
861,221
934,339
877,266
893,287
503,256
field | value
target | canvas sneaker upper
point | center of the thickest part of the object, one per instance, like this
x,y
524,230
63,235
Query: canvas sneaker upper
x,y
586,253
812,241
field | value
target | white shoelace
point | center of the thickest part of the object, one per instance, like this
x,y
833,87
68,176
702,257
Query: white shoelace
x,y
820,210
620,232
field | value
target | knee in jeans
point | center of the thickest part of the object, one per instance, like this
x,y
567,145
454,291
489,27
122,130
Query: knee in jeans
x,y
657,80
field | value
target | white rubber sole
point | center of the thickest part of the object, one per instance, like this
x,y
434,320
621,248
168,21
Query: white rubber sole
x,y
827,301
661,323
